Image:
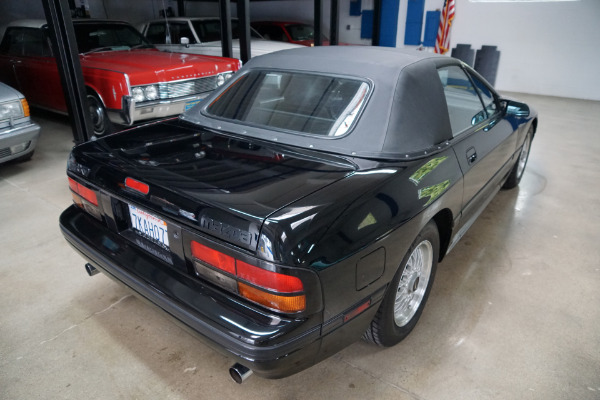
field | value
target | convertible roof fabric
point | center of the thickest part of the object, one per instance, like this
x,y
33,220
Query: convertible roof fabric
x,y
405,116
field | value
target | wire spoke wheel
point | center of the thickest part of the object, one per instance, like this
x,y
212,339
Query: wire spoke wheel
x,y
516,173
413,283
523,157
408,290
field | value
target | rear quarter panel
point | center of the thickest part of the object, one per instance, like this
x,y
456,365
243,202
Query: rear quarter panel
x,y
384,208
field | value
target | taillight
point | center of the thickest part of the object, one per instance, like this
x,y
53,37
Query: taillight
x,y
288,304
84,192
136,185
85,198
274,290
268,280
213,257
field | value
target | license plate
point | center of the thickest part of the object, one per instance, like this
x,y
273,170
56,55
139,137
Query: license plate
x,y
149,226
191,104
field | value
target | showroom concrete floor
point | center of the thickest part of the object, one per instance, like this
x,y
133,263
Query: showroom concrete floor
x,y
514,312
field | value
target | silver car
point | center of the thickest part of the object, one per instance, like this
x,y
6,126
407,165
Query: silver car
x,y
18,134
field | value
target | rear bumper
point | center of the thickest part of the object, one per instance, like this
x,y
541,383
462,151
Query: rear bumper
x,y
271,345
18,141
132,113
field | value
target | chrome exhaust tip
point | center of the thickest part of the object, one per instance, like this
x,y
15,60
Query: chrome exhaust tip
x,y
91,270
239,373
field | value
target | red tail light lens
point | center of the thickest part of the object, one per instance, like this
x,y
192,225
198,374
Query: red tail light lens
x,y
74,186
213,257
274,290
137,185
85,198
268,279
84,192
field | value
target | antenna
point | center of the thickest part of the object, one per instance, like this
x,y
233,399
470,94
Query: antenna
x,y
168,35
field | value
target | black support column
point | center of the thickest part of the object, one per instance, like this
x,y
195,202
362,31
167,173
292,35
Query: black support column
x,y
62,35
225,12
243,13
317,23
376,22
181,8
334,23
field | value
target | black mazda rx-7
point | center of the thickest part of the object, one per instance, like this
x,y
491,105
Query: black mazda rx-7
x,y
304,204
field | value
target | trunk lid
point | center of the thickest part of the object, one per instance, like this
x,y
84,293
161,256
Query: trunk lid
x,y
219,184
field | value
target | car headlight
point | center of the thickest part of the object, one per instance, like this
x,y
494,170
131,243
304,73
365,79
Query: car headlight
x,y
11,109
145,93
222,78
151,92
138,94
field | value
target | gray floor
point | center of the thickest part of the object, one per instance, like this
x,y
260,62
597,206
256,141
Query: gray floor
x,y
514,312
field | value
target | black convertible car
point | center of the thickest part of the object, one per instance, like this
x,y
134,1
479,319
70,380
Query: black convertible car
x,y
303,205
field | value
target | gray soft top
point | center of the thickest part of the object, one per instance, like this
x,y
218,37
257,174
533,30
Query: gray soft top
x,y
405,116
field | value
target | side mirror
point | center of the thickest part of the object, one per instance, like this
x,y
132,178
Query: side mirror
x,y
185,41
477,118
515,108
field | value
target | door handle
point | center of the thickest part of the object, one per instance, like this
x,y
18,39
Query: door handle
x,y
471,155
490,125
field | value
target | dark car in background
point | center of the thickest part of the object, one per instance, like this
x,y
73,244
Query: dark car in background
x,y
286,31
18,133
304,204
126,78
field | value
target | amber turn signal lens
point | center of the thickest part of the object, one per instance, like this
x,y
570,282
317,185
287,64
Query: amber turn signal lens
x,y
288,304
25,106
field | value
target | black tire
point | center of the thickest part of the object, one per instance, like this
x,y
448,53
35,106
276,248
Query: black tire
x,y
100,122
517,172
391,324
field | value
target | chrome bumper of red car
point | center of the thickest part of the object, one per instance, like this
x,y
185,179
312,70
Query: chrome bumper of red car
x,y
132,112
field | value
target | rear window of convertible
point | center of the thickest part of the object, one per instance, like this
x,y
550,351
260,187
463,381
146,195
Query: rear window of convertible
x,y
299,102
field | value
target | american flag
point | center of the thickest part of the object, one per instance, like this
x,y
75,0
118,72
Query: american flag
x,y
442,42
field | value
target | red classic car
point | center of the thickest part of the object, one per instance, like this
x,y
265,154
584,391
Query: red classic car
x,y
127,79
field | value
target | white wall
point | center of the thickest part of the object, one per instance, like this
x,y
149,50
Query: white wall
x,y
548,48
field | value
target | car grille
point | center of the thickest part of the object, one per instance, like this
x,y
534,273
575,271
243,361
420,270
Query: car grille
x,y
171,90
5,152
